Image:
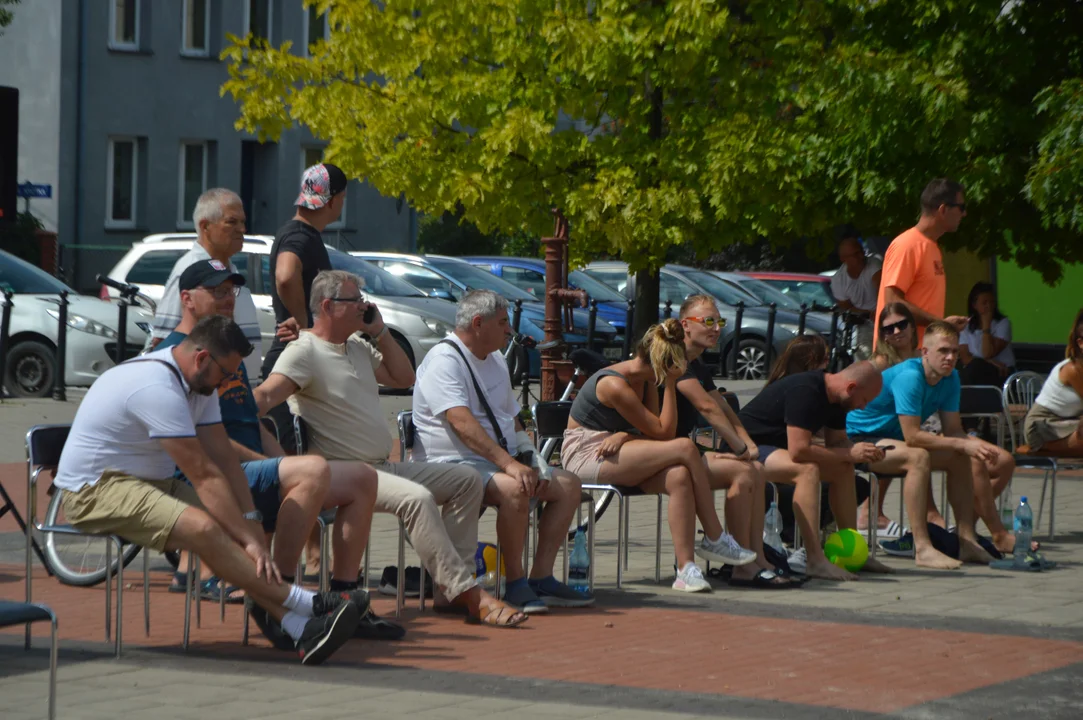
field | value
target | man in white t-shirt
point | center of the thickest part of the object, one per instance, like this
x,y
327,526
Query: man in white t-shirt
x,y
330,377
453,425
855,286
144,417
219,219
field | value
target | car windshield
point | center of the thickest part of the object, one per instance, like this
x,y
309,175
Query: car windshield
x,y
597,289
478,279
720,289
377,280
767,294
20,276
813,292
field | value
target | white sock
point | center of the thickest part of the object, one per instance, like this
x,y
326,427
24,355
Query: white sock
x,y
294,624
299,600
716,540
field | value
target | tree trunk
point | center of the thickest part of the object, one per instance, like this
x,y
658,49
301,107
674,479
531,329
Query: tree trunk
x,y
646,303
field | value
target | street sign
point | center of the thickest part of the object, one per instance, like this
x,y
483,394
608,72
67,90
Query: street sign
x,y
30,190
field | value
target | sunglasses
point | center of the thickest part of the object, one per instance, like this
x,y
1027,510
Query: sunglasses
x,y
222,291
896,327
709,322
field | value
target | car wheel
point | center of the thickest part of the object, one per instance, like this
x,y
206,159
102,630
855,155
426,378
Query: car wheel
x,y
751,360
405,348
31,370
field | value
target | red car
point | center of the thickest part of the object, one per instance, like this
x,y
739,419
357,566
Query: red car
x,y
812,290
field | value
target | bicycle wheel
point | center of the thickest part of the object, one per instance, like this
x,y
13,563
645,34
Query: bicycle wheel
x,y
77,559
601,502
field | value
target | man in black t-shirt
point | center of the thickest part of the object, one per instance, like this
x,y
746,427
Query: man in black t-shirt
x,y
782,420
736,468
298,253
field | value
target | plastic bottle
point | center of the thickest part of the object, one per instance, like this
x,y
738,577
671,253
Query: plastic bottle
x,y
772,528
579,564
1023,527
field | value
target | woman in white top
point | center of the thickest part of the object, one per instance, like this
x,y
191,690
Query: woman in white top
x,y
1053,423
985,344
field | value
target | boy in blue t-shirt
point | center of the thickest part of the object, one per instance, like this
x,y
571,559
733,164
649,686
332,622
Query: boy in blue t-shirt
x,y
977,470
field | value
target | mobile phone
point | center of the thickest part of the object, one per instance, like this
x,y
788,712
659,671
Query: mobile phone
x,y
370,314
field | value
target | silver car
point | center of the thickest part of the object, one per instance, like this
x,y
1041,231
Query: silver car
x,y
91,337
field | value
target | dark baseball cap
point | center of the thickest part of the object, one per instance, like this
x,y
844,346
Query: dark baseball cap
x,y
208,274
319,184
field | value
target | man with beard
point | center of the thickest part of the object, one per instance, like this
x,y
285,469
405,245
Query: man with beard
x,y
782,419
149,415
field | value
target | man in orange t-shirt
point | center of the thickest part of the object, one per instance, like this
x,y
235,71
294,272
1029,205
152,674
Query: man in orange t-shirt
x,y
913,271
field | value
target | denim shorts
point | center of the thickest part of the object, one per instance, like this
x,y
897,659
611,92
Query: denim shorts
x,y
263,483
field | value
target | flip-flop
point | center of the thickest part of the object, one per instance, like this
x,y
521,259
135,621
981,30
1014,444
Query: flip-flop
x,y
891,532
763,580
1008,563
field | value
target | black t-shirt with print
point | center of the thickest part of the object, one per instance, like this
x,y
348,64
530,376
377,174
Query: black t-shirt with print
x,y
687,415
305,242
799,400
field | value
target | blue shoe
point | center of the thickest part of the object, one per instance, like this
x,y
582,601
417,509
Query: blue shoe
x,y
520,595
554,593
903,547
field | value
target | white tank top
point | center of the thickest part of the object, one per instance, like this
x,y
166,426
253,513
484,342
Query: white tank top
x,y
1060,398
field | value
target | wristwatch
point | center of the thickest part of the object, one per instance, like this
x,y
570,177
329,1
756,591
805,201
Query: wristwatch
x,y
253,515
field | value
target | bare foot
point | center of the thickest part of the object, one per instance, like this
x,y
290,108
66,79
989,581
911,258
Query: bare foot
x,y
971,552
1005,543
875,566
930,557
827,571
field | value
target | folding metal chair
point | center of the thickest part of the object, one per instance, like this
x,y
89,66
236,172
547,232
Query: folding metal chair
x,y
1018,394
550,420
44,445
17,613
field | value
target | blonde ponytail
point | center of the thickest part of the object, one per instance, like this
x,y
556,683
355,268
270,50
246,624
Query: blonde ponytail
x,y
663,348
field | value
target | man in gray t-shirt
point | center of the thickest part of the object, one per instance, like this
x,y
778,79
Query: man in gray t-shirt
x,y
855,286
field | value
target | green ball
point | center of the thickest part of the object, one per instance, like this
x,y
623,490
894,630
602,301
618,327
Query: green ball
x,y
847,549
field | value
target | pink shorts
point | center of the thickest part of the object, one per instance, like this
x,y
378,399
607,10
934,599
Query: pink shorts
x,y
579,454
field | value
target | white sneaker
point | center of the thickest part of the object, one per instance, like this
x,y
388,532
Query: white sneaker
x,y
691,580
725,550
798,561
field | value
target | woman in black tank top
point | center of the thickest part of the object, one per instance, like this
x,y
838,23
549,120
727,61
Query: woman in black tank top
x,y
618,435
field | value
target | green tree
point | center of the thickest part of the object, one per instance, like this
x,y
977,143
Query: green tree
x,y
6,16
450,234
654,124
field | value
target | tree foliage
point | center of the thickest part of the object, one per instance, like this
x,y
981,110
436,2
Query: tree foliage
x,y
449,234
6,15
695,123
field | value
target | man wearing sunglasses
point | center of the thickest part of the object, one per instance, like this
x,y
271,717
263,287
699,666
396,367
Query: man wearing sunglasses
x,y
288,492
913,271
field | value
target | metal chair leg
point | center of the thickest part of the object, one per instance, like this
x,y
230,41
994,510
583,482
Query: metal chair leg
x,y
400,591
1053,504
658,544
244,636
52,667
325,553
873,521
620,540
421,598
368,561
108,589
590,543
196,596
499,569
120,596
146,591
190,585
627,531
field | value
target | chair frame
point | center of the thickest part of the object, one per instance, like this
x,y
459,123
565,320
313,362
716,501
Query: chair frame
x,y
53,648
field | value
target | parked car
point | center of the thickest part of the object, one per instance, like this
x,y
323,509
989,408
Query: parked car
x,y
417,322
814,290
528,274
451,278
677,282
91,338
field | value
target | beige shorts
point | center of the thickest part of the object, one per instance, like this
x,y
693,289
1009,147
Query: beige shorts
x,y
142,512
1042,426
579,453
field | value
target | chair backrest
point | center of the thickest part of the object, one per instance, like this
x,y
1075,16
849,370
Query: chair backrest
x,y
406,433
44,444
981,401
270,426
300,434
1018,394
551,418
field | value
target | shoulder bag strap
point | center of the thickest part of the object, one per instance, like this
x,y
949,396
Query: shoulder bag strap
x,y
481,395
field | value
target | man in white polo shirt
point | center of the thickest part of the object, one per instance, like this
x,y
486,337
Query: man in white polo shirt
x,y
331,377
144,417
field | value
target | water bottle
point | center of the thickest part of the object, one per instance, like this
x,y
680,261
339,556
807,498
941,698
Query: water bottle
x,y
579,565
1023,527
772,528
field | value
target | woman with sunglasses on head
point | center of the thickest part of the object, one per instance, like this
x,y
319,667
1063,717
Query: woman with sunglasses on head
x,y
1054,424
619,433
985,344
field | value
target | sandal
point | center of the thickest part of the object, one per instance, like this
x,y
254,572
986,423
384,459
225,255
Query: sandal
x,y
498,614
764,580
209,589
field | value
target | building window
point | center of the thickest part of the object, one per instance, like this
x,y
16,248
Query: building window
x,y
122,182
313,155
316,28
196,28
192,180
257,19
124,24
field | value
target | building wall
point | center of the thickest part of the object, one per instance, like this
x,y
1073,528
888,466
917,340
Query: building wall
x,y
30,61
163,97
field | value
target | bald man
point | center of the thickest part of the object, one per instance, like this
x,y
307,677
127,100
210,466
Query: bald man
x,y
782,419
855,286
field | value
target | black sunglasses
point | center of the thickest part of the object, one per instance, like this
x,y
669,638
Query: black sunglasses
x,y
895,327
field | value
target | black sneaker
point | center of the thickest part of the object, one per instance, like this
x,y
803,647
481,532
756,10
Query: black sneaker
x,y
374,627
326,602
324,635
270,627
389,582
